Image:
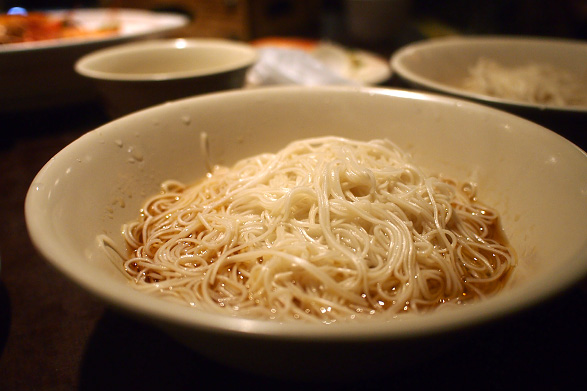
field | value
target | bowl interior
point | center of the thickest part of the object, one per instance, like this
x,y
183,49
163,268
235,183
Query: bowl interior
x,y
167,59
535,178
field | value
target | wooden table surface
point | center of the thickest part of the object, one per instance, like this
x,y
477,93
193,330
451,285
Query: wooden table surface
x,y
55,336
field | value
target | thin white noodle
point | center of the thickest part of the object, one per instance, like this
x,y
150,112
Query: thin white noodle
x,y
535,83
327,229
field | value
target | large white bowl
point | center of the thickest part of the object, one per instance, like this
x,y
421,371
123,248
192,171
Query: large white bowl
x,y
441,64
40,75
535,178
140,74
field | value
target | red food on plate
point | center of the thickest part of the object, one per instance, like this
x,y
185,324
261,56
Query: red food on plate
x,y
38,26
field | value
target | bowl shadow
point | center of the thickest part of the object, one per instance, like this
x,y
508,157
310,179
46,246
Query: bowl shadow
x,y
538,347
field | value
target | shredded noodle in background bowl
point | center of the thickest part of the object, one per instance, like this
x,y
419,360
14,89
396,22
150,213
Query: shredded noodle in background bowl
x,y
534,83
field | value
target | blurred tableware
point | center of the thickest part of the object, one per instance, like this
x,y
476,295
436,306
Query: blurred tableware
x,y
38,75
537,182
312,62
137,75
442,64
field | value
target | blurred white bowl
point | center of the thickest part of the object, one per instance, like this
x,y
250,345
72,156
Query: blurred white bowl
x,y
441,65
534,177
40,75
141,74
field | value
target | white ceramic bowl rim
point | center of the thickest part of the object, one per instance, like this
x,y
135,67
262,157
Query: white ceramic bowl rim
x,y
398,65
162,311
244,55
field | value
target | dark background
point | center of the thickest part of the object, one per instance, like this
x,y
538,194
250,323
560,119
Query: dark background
x,y
560,18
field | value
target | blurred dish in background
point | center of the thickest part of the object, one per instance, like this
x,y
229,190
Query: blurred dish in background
x,y
136,75
21,26
39,74
518,83
310,62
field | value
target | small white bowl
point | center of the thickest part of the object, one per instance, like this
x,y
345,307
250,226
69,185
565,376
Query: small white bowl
x,y
441,64
534,177
137,75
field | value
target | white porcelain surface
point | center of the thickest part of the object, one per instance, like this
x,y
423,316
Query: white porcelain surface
x,y
40,74
141,74
535,178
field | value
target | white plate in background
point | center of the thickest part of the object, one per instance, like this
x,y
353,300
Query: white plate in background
x,y
302,61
